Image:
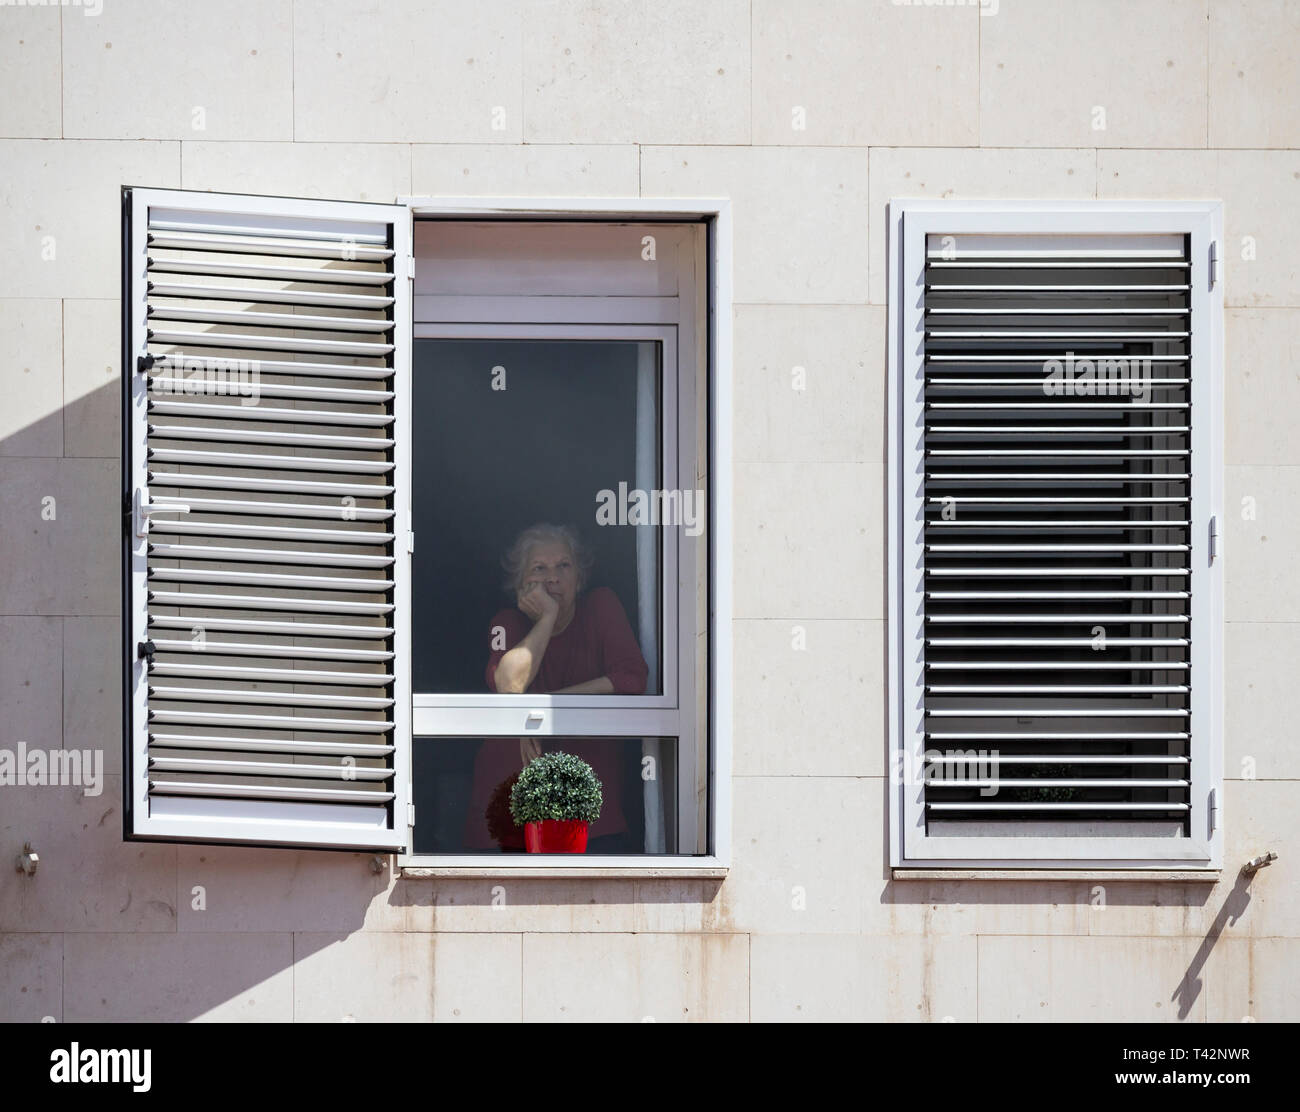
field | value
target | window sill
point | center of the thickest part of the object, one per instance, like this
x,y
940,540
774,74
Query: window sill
x,y
566,872
1196,876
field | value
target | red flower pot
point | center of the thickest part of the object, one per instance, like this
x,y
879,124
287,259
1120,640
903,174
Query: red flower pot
x,y
556,836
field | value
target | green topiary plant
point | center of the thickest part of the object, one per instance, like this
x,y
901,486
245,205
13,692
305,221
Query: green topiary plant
x,y
556,786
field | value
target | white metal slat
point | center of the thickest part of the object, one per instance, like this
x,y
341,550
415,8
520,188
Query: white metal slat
x,y
237,744
303,368
1018,711
223,577
218,412
275,793
244,269
980,358
1061,573
264,245
267,698
228,767
253,318
268,295
271,462
191,527
961,735
1054,642
1055,619
274,675
268,485
333,511
261,648
985,805
238,341
1100,595
272,721
284,227
1048,782
1047,523
165,386
303,557
279,439
345,302
269,626
1052,665
1054,688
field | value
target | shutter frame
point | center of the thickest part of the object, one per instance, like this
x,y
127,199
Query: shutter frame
x,y
311,809
911,223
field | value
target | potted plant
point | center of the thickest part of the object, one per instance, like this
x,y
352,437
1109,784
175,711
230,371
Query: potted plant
x,y
554,800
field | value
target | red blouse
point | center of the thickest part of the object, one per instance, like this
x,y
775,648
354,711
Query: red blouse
x,y
597,642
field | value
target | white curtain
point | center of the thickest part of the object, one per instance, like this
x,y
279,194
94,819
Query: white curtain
x,y
648,577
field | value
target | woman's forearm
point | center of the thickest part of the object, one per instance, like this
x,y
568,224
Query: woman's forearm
x,y
601,685
518,667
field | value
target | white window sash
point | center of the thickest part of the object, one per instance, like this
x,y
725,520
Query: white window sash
x,y
677,637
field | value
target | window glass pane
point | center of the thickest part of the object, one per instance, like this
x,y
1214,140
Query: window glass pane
x,y
538,461
462,794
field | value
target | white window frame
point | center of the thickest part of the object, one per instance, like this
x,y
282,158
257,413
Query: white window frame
x,y
453,715
909,222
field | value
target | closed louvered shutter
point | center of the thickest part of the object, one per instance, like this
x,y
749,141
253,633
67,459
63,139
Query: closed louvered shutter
x,y
1058,605
265,461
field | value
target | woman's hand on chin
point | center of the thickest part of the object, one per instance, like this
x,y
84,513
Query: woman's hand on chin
x,y
535,601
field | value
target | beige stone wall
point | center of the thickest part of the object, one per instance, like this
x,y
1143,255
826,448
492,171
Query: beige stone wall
x,y
369,100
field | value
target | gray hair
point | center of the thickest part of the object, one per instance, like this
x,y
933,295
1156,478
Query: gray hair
x,y
515,561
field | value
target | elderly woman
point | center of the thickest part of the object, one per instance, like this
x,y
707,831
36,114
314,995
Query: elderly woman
x,y
558,640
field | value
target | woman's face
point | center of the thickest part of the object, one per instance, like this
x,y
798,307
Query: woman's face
x,y
552,565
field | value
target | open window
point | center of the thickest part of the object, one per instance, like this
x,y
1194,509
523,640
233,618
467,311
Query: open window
x,y
1055,580
560,401
341,422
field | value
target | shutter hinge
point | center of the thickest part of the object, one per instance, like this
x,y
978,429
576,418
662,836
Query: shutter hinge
x,y
1214,262
410,267
1213,803
410,541
410,814
1214,538
143,509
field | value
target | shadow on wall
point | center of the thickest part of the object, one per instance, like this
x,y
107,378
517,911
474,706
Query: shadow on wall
x,y
111,930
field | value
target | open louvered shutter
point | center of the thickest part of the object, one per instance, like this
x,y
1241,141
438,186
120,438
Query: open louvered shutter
x,y
266,377
1057,596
